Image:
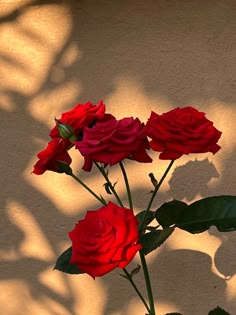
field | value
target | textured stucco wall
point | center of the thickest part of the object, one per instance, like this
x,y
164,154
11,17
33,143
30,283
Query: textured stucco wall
x,y
137,56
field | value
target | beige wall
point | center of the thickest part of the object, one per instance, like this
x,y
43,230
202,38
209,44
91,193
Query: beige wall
x,y
137,56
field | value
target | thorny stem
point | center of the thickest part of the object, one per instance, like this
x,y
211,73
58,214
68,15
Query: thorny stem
x,y
148,283
104,174
155,192
151,310
90,190
136,289
127,185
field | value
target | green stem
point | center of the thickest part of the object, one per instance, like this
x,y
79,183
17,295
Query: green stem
x,y
155,192
137,290
127,185
151,310
90,190
148,284
102,171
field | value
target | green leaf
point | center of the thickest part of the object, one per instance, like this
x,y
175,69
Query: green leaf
x,y
141,215
63,263
152,240
132,273
135,271
169,212
218,311
107,188
202,214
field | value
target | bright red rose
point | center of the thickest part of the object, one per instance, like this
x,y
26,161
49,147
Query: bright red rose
x,y
110,141
107,238
56,151
182,131
82,115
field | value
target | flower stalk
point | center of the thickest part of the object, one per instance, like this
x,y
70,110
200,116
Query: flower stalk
x,y
151,310
137,290
155,192
127,185
104,174
148,283
88,189
111,236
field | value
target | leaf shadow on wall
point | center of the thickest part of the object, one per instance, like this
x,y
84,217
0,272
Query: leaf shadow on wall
x,y
192,179
20,130
112,50
42,210
181,277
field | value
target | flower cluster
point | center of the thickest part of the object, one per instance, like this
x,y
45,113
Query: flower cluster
x,y
110,236
102,138
68,128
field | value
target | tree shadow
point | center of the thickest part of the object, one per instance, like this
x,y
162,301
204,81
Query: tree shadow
x,y
144,42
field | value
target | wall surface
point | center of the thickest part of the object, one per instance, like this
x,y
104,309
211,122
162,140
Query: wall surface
x,y
137,56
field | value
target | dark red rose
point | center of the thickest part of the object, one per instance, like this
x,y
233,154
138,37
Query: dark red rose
x,y
110,141
105,239
182,131
82,115
56,150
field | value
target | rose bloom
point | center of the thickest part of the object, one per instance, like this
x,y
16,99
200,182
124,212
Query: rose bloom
x,y
56,150
110,141
80,116
182,131
105,239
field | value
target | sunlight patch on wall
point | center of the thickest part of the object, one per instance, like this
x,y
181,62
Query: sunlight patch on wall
x,y
54,33
164,308
68,195
136,307
70,56
28,48
46,306
128,98
14,297
85,287
231,290
21,298
55,280
7,7
185,240
6,103
34,237
224,117
50,104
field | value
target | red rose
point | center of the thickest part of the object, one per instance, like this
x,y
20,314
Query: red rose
x,y
107,238
182,131
80,116
55,151
110,141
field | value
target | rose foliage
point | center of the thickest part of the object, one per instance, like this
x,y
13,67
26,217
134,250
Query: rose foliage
x,y
109,237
